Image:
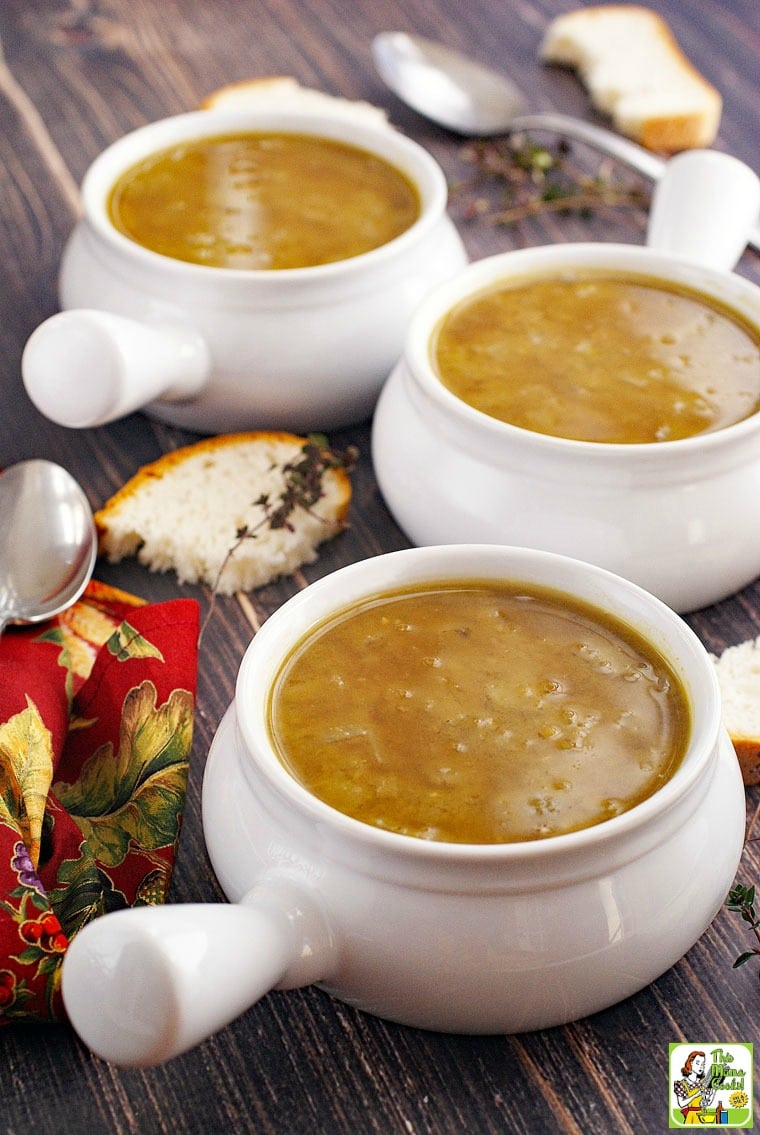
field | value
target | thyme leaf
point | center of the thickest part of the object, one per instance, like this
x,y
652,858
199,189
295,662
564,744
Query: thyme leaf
x,y
303,487
515,178
741,901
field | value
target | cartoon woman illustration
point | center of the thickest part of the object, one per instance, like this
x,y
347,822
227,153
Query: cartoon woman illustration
x,y
693,1092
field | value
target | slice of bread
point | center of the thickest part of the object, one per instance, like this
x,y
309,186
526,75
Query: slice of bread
x,y
738,669
635,71
283,92
184,512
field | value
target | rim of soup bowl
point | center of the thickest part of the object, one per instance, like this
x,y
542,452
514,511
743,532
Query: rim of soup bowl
x,y
463,423
385,142
659,624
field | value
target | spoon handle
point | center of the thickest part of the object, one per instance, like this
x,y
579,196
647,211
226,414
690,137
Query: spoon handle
x,y
648,164
615,145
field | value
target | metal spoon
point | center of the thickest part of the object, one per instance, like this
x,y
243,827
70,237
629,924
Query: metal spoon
x,y
456,92
48,543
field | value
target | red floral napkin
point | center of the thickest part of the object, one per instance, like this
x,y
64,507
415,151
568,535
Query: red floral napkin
x,y
96,723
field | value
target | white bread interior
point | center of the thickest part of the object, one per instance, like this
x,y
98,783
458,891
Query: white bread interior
x,y
635,71
183,512
738,669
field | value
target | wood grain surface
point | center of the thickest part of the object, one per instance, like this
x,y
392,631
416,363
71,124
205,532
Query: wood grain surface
x,y
74,76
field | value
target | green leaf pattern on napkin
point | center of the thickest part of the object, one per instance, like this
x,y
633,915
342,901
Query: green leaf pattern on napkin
x,y
104,835
138,793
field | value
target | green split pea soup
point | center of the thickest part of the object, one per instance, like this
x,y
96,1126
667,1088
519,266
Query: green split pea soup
x,y
478,712
263,201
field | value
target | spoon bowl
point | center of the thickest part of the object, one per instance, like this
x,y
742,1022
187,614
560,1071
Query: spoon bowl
x,y
445,86
454,91
48,546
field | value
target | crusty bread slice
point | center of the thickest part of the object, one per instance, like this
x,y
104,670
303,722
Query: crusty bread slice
x,y
738,669
283,92
635,71
185,510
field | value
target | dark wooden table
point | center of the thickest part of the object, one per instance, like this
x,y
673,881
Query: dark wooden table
x,y
74,77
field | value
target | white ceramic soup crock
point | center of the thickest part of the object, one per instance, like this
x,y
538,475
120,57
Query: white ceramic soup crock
x,y
464,938
218,349
680,518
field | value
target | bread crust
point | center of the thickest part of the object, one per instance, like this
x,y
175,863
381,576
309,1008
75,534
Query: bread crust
x,y
232,91
283,91
748,754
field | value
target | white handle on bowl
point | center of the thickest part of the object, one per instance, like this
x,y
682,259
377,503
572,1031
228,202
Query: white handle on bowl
x,y
143,985
704,208
84,367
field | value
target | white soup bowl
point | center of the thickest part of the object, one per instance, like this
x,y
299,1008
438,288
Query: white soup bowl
x,y
680,518
219,349
493,938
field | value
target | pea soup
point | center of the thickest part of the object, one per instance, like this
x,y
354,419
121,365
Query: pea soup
x,y
478,712
263,201
601,358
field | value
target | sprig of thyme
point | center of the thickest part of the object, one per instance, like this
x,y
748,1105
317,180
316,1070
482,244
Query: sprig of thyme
x,y
741,900
303,487
516,178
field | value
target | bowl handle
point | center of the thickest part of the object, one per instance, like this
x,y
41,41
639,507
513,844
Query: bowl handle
x,y
145,984
704,208
85,367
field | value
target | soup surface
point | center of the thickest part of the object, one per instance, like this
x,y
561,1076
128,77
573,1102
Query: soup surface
x,y
480,712
620,359
263,201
